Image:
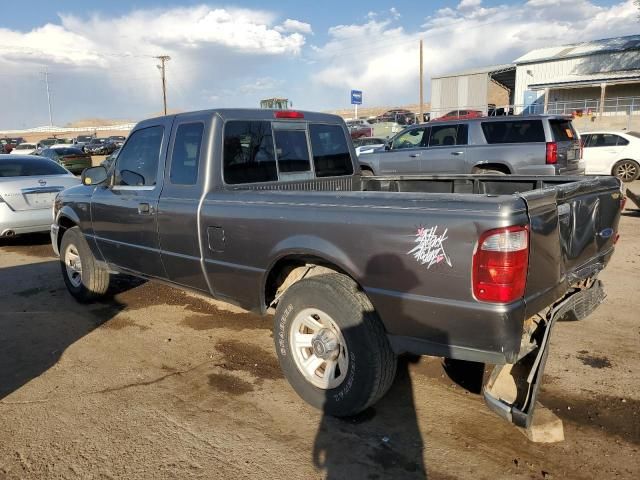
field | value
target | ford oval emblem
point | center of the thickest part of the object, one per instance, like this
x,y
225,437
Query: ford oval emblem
x,y
606,233
42,182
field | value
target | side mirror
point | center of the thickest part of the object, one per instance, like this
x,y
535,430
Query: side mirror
x,y
94,176
387,145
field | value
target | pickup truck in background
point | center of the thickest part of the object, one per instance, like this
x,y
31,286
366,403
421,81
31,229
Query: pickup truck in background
x,y
267,209
522,145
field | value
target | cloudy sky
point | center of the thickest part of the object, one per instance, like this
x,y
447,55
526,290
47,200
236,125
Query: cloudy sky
x,y
100,54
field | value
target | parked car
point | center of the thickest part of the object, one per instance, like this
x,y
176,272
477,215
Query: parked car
x,y
399,116
28,186
73,159
24,149
46,143
368,144
62,142
100,146
266,209
525,145
612,153
459,115
118,140
9,143
81,140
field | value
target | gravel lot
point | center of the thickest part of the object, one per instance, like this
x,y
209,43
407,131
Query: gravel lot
x,y
155,383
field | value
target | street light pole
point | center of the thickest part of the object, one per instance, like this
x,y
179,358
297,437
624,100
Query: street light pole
x,y
421,86
46,81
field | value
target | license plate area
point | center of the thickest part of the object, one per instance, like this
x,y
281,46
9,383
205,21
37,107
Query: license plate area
x,y
40,200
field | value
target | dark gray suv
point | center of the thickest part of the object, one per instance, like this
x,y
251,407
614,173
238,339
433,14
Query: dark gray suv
x,y
524,145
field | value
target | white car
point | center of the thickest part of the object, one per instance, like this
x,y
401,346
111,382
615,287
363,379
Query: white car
x,y
24,149
612,153
28,187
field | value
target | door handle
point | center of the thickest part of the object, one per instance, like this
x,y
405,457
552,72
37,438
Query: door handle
x,y
457,153
414,155
145,209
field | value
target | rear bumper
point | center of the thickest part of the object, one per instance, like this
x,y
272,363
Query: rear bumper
x,y
23,221
550,170
512,389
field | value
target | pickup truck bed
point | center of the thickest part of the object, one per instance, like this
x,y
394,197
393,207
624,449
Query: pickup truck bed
x,y
357,269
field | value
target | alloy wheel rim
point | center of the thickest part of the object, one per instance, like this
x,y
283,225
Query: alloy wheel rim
x,y
626,171
73,265
319,350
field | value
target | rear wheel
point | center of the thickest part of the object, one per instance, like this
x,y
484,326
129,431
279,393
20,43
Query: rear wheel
x,y
85,279
626,170
487,171
332,346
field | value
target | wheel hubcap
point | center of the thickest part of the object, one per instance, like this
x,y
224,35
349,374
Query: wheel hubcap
x,y
319,349
73,265
626,171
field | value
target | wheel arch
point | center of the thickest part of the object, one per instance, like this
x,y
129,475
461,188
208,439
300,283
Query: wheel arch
x,y
293,264
502,167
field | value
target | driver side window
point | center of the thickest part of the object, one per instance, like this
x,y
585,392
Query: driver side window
x,y
410,139
137,163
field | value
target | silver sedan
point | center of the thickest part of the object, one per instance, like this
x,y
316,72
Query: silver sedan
x,y
28,187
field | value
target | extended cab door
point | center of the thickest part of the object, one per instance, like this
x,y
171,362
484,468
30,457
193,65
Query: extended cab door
x,y
124,213
405,152
184,180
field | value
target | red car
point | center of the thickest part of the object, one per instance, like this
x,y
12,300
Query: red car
x,y
460,115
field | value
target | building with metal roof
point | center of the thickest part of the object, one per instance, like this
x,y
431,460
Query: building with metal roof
x,y
594,73
482,89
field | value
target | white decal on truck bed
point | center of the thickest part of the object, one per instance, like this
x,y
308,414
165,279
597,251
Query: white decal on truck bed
x,y
429,249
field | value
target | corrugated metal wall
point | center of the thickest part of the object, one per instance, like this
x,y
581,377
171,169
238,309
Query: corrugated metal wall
x,y
466,91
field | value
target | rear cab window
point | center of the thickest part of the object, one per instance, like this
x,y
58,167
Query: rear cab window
x,y
185,156
516,131
269,151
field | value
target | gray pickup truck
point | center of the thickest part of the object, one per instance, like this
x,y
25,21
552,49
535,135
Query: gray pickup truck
x,y
267,210
521,145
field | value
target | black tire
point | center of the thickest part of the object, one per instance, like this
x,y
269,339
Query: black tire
x,y
371,361
94,279
366,173
626,170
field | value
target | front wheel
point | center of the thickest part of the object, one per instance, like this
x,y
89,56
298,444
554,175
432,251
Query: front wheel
x,y
626,170
332,346
85,279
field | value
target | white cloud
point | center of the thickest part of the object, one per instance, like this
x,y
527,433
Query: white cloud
x,y
394,13
290,25
467,4
382,59
260,85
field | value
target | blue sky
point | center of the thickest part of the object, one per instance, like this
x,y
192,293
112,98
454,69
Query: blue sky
x,y
99,53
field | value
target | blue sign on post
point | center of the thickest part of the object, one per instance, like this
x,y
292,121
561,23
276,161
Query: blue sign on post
x,y
356,97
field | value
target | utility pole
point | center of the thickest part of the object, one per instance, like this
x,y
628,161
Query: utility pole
x,y
163,59
46,81
421,86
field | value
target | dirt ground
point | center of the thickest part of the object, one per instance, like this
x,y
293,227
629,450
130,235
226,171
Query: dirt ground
x,y
155,383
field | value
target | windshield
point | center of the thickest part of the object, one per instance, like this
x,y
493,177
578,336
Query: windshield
x,y
68,151
84,138
28,167
48,141
26,146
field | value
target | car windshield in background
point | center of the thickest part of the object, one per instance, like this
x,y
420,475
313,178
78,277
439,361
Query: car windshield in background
x,y
85,138
29,167
516,131
363,141
26,146
562,130
48,141
68,151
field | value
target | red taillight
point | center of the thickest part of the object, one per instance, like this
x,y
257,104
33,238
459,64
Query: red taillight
x,y
288,114
552,153
500,264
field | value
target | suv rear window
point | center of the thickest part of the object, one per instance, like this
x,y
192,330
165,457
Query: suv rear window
x,y
516,131
331,156
562,130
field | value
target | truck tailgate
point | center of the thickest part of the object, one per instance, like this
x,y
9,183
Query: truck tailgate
x,y
572,237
